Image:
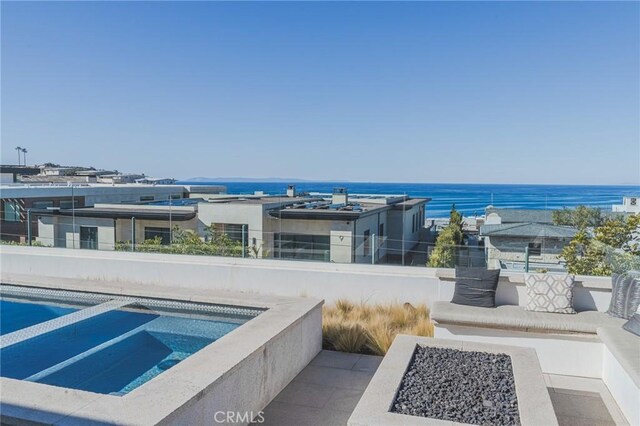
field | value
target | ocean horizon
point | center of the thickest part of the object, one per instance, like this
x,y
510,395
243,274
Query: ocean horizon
x,y
470,199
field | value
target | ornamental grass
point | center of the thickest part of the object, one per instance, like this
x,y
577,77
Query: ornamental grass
x,y
370,328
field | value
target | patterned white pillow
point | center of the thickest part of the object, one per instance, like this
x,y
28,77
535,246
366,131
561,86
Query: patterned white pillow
x,y
550,293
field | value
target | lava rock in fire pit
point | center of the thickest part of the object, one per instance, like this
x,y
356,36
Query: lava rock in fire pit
x,y
460,386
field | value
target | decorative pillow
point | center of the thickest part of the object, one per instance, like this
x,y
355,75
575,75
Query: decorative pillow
x,y
476,287
625,294
633,325
550,293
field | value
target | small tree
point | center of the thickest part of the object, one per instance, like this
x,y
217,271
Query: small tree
x,y
445,251
581,217
613,246
456,222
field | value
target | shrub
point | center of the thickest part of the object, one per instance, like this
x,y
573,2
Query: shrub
x,y
367,328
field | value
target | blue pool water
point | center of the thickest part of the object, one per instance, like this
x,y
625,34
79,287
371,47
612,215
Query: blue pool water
x,y
113,352
16,315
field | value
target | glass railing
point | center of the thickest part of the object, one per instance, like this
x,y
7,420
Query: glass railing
x,y
541,254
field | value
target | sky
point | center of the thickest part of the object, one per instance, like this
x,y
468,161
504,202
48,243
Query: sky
x,y
540,92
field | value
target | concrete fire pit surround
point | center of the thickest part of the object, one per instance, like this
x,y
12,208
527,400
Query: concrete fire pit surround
x,y
374,407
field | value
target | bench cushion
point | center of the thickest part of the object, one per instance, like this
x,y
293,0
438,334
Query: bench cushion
x,y
516,317
625,347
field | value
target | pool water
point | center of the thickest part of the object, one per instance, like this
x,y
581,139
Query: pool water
x,y
16,315
111,352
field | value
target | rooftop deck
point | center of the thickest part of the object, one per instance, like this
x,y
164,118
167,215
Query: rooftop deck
x,y
328,389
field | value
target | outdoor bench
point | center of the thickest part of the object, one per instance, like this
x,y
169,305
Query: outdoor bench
x,y
586,344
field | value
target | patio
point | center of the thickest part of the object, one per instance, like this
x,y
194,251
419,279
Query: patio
x,y
328,389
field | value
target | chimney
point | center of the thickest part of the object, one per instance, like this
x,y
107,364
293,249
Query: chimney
x,y
340,196
291,191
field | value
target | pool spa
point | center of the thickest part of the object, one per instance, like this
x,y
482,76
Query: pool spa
x,y
111,347
132,351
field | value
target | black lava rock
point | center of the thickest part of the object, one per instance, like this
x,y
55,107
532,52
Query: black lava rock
x,y
461,386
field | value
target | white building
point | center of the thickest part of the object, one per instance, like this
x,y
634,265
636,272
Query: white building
x,y
629,205
335,228
17,200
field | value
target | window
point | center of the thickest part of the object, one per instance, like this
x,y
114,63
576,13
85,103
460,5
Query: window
x,y
236,232
175,196
535,249
367,242
301,246
146,198
42,204
66,204
151,232
11,211
381,230
89,237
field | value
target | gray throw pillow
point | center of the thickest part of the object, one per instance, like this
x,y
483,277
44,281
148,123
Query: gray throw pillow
x,y
550,293
476,287
625,294
633,325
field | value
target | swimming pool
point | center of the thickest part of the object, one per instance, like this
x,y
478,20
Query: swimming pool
x,y
17,314
104,344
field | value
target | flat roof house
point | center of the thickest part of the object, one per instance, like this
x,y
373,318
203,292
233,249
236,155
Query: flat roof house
x,y
331,228
18,199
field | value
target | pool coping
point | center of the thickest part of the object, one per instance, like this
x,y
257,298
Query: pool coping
x,y
534,402
185,384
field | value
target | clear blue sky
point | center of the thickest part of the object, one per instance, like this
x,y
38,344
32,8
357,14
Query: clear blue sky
x,y
541,92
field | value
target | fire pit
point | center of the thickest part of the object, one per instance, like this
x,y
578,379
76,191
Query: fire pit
x,y
426,381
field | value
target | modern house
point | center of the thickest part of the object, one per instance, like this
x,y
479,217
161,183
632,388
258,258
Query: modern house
x,y
324,227
18,200
517,238
101,226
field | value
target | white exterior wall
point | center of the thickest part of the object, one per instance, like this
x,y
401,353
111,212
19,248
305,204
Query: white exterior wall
x,y
251,215
329,281
370,223
63,231
493,219
395,232
46,231
628,205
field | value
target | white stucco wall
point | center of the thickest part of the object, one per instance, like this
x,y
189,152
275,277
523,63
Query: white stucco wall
x,y
64,231
238,214
329,281
396,228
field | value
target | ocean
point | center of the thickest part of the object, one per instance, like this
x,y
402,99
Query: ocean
x,y
470,199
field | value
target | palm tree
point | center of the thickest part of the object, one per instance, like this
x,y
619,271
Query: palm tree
x,y
24,153
19,149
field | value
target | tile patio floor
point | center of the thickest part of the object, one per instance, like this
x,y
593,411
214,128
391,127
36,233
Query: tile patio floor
x,y
328,389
